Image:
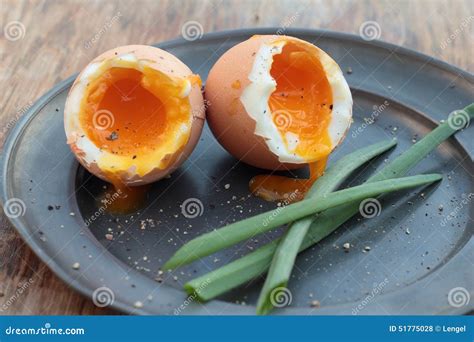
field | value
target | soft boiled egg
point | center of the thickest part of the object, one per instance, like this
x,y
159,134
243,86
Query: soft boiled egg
x,y
134,114
277,103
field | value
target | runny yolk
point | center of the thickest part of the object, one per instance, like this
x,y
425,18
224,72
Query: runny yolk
x,y
286,189
136,118
123,199
126,117
301,108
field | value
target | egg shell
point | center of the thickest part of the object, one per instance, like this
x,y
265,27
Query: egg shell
x,y
231,125
229,86
170,65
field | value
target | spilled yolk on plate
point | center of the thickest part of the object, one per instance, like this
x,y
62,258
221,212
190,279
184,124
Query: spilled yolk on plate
x,y
301,109
282,188
126,199
140,120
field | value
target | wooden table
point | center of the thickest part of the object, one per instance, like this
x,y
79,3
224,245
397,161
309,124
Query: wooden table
x,y
54,39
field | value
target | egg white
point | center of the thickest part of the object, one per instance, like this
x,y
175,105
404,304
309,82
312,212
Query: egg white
x,y
256,95
90,153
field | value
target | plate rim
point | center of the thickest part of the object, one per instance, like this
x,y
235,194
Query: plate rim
x,y
16,131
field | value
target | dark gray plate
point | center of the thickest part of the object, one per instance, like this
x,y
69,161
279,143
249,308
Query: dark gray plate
x,y
417,255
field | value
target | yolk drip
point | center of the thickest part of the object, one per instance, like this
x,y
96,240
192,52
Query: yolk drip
x,y
280,188
123,199
140,120
301,108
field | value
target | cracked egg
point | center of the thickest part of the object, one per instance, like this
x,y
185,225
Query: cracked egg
x,y
134,114
278,103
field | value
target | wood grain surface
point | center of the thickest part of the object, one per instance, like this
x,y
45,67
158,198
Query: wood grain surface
x,y
44,42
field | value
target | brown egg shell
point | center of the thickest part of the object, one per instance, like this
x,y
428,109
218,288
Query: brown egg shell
x,y
167,63
227,117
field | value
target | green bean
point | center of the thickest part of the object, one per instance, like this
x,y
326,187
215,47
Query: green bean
x,y
227,277
245,229
330,181
289,246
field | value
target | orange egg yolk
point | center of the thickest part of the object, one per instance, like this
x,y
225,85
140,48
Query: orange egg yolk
x,y
300,106
136,119
136,116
